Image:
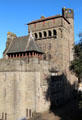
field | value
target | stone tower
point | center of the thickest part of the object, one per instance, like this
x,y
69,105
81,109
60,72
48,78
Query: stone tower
x,y
69,15
69,36
55,36
34,59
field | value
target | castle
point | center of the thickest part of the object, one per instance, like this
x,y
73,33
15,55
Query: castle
x,y
29,60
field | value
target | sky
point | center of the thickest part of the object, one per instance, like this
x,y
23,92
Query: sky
x,y
14,14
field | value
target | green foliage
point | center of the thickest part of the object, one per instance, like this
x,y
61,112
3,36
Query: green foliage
x,y
76,64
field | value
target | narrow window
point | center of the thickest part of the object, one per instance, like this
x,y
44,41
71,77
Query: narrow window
x,y
5,92
9,55
5,116
49,33
26,112
20,54
40,35
23,54
30,112
17,54
36,36
44,57
55,33
2,115
45,34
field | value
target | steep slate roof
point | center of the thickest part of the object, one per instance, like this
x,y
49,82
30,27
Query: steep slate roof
x,y
23,44
32,46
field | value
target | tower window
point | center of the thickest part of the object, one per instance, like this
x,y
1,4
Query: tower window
x,y
55,33
49,33
30,112
26,112
44,57
36,36
40,35
45,34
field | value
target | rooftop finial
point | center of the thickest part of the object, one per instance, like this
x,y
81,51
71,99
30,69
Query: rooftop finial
x,y
30,35
42,17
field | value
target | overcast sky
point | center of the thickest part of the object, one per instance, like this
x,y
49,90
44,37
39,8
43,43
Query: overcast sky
x,y
14,14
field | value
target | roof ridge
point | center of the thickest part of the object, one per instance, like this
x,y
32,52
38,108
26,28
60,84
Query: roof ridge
x,y
32,45
23,44
43,19
10,45
27,42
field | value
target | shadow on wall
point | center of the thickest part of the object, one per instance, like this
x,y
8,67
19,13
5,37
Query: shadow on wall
x,y
65,100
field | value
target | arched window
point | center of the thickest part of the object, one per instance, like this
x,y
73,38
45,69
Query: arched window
x,y
40,35
36,36
45,34
55,33
49,33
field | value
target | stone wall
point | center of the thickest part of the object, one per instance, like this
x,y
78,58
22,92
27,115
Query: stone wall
x,y
51,45
24,82
45,25
22,87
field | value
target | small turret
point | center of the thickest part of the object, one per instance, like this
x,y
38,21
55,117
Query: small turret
x,y
10,37
42,17
67,13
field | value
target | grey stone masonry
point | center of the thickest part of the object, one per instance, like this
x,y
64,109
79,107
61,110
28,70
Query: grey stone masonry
x,y
24,80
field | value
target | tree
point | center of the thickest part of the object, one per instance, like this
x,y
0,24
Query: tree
x,y
76,64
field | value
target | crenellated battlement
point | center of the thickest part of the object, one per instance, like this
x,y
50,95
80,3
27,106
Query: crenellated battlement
x,y
22,65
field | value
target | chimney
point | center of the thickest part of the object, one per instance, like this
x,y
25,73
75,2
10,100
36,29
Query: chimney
x,y
42,17
10,37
